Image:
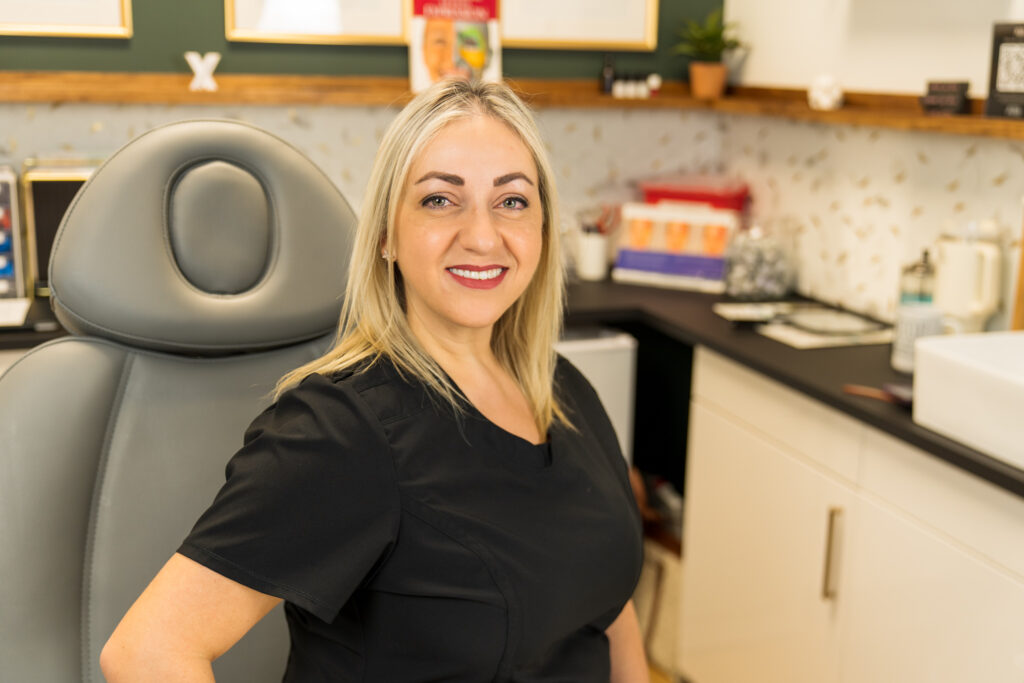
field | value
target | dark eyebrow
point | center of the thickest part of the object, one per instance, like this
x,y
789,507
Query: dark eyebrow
x,y
446,177
509,177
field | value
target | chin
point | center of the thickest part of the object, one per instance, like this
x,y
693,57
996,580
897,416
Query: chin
x,y
476,322
476,319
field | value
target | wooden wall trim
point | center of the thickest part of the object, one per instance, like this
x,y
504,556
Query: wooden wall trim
x,y
899,112
168,88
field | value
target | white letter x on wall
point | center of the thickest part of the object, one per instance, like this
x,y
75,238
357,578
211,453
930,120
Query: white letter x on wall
x,y
202,67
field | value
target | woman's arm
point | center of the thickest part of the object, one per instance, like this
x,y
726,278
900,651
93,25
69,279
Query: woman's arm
x,y
187,617
629,662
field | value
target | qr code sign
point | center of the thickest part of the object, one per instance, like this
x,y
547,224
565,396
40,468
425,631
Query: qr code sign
x,y
1010,70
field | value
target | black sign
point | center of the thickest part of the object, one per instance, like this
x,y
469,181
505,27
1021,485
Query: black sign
x,y
1006,79
946,98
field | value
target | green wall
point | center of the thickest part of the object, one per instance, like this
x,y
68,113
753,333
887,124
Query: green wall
x,y
165,29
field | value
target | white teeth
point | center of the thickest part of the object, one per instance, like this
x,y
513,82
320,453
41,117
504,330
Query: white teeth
x,y
477,274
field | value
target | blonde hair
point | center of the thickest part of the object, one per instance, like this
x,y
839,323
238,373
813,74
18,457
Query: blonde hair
x,y
373,322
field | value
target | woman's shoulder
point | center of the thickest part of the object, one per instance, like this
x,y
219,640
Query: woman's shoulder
x,y
342,411
379,386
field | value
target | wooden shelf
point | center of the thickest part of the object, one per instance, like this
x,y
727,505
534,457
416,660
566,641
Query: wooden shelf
x,y
900,112
165,88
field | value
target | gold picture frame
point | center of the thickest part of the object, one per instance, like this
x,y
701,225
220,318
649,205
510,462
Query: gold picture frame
x,y
92,19
374,22
574,25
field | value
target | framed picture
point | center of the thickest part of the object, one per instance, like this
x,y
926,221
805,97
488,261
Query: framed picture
x,y
1006,79
578,25
447,39
324,22
71,18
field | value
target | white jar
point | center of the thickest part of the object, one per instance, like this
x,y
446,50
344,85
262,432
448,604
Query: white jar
x,y
591,256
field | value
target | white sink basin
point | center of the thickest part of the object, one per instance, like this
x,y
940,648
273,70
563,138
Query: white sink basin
x,y
970,388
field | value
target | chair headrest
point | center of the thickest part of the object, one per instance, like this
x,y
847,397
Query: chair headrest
x,y
203,237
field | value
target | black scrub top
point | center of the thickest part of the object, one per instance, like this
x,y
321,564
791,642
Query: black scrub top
x,y
414,544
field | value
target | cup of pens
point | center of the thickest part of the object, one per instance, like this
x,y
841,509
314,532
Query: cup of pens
x,y
596,224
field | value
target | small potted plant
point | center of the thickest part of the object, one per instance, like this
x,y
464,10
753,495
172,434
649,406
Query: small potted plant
x,y
704,45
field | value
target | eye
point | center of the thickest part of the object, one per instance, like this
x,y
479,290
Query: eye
x,y
435,201
514,203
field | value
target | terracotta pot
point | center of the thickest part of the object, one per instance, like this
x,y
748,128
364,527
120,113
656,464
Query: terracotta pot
x,y
707,80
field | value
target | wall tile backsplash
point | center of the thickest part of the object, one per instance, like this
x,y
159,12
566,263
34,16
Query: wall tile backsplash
x,y
861,202
858,202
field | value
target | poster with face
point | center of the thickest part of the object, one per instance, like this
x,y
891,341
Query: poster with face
x,y
453,39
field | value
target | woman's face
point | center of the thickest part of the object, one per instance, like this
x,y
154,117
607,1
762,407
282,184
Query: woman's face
x,y
468,232
439,50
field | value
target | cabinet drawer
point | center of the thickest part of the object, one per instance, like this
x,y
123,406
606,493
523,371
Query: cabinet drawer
x,y
805,426
965,508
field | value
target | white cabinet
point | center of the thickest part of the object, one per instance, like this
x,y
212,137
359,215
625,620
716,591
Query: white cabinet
x,y
926,561
922,609
754,569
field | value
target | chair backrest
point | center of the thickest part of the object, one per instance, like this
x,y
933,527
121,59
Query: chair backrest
x,y
199,264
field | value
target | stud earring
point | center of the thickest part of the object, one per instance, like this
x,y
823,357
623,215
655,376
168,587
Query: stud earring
x,y
385,255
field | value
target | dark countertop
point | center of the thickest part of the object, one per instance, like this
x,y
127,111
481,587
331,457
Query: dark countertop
x,y
818,373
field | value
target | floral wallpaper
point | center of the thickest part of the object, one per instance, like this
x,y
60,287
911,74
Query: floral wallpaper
x,y
857,203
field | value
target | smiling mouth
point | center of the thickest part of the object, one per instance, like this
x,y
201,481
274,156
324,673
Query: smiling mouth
x,y
488,274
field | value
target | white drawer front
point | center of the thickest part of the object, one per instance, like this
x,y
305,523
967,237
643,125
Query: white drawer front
x,y
808,427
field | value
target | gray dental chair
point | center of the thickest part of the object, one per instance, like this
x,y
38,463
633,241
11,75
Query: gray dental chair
x,y
199,264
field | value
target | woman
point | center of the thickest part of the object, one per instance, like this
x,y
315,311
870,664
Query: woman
x,y
438,497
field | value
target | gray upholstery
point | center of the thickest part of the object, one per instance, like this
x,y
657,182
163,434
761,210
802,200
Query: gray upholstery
x,y
179,244
219,228
112,447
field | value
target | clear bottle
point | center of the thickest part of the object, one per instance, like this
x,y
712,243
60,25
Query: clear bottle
x,y
916,316
917,282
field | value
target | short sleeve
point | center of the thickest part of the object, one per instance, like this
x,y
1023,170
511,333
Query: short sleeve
x,y
310,506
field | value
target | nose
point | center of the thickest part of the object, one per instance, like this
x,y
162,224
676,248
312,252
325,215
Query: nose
x,y
479,233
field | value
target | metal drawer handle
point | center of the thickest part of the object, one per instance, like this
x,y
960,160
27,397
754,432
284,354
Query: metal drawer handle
x,y
828,583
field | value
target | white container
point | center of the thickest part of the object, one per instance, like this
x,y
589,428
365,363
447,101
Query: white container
x,y
967,285
970,388
591,256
